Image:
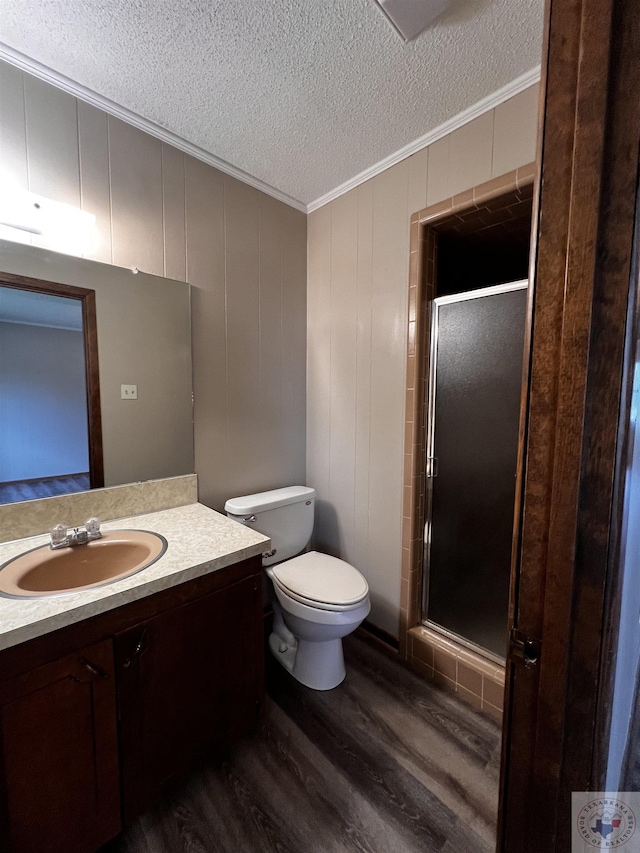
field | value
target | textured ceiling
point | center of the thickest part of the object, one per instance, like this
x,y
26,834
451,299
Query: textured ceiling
x,y
303,94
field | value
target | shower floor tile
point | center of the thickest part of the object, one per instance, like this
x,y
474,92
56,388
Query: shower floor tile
x,y
385,763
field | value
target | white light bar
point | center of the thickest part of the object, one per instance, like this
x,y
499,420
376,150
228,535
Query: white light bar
x,y
60,226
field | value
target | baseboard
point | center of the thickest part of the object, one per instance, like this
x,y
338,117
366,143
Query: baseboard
x,y
373,632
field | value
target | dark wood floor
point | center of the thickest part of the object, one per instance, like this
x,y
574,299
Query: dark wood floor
x,y
385,763
45,488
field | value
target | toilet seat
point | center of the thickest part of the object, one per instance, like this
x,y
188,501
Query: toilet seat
x,y
318,580
319,605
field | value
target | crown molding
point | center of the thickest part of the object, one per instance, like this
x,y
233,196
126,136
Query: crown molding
x,y
529,78
37,69
48,75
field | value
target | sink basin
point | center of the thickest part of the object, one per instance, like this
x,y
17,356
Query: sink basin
x,y
116,555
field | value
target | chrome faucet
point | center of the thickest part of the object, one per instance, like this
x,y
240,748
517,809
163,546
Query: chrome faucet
x,y
67,537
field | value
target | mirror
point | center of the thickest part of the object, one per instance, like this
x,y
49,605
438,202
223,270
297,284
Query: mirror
x,y
143,339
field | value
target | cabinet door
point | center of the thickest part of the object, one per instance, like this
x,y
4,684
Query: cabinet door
x,y
188,679
60,755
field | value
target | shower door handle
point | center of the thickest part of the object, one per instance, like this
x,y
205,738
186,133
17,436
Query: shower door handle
x,y
432,467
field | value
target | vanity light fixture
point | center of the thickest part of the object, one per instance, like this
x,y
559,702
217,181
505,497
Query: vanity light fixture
x,y
411,17
17,210
58,226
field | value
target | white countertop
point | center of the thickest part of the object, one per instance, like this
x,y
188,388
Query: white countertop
x,y
200,541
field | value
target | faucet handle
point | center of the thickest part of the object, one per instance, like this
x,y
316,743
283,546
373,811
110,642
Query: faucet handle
x,y
92,526
58,535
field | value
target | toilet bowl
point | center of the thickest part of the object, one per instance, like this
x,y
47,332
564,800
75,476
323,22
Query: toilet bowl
x,y
317,599
310,647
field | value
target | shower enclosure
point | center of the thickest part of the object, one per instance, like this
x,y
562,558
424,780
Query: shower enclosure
x,y
477,344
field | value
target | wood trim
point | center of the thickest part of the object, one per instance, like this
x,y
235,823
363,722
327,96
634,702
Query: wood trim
x,y
603,414
379,635
89,322
39,285
520,732
589,172
90,325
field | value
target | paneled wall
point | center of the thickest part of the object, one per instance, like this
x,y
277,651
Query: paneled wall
x,y
358,267
169,214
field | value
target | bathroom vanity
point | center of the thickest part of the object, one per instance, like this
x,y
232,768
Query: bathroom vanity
x,y
109,695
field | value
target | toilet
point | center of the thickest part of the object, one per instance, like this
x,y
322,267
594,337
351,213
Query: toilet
x,y
318,599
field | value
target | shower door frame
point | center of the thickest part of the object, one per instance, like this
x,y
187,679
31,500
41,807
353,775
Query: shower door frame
x,y
434,306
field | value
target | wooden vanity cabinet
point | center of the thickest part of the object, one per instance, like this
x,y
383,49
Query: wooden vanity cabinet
x,y
186,683
60,754
97,718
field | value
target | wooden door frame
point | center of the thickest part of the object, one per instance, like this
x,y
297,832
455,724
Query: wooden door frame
x,y
582,245
87,300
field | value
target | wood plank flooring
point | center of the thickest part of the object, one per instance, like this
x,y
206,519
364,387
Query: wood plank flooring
x,y
385,763
46,488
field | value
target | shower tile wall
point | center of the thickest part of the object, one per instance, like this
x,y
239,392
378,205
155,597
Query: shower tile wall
x,y
477,680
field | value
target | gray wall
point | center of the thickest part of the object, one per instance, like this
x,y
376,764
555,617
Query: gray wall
x,y
171,215
43,408
357,338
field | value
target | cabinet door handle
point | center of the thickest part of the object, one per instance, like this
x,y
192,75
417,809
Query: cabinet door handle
x,y
138,650
95,670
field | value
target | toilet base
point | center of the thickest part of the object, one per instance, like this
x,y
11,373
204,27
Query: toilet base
x,y
318,665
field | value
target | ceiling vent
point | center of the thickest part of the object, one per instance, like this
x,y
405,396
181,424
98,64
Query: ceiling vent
x,y
410,17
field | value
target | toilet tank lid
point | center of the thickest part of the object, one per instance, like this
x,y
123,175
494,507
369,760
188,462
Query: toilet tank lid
x,y
272,499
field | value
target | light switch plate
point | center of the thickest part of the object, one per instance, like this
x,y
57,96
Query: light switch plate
x,y
129,392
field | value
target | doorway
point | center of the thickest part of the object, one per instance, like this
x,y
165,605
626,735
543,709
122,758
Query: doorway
x,y
477,240
50,425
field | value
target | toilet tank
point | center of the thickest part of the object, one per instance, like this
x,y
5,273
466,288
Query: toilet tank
x,y
284,515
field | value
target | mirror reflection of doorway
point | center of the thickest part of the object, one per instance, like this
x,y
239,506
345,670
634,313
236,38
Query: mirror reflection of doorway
x,y
50,437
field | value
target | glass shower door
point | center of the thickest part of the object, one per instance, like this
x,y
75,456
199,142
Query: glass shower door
x,y
477,343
